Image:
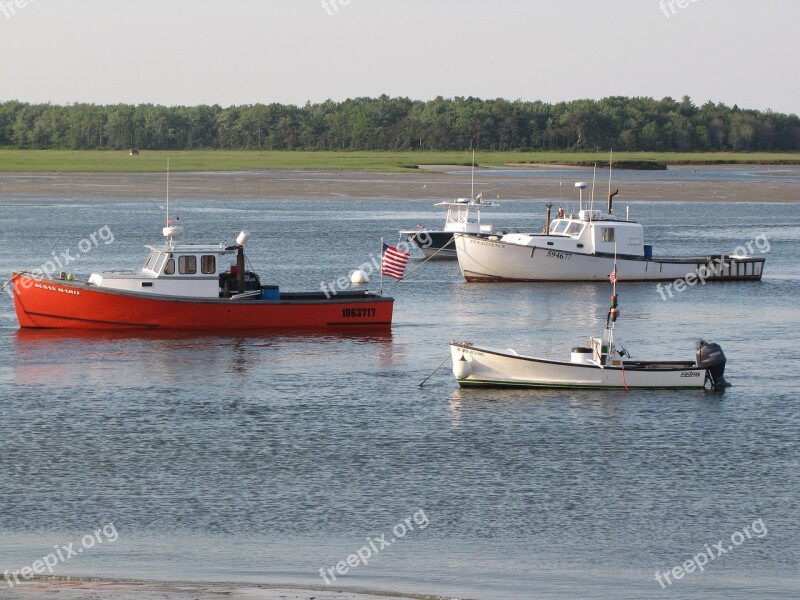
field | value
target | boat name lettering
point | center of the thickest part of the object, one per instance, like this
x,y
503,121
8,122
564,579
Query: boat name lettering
x,y
358,313
559,255
485,243
475,352
52,288
690,374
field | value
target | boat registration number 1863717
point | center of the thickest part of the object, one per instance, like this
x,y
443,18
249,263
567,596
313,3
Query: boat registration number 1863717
x,y
358,313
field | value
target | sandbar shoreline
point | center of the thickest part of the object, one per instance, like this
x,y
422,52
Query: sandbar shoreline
x,y
436,184
80,588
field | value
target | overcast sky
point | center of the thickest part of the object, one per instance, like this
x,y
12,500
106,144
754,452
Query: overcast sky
x,y
291,51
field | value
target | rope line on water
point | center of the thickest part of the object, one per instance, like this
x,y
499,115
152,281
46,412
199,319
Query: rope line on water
x,y
441,364
430,257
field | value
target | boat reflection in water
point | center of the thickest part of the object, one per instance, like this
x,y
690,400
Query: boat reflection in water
x,y
136,358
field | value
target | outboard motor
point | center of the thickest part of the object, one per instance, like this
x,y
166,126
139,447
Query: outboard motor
x,y
711,357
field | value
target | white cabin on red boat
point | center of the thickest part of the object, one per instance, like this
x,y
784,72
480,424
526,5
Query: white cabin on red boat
x,y
185,270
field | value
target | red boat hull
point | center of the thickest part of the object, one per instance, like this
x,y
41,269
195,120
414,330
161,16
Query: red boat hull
x,y
57,304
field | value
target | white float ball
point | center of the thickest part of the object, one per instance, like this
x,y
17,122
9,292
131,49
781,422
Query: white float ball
x,y
359,277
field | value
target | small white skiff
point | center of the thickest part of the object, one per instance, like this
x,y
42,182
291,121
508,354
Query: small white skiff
x,y
600,363
482,366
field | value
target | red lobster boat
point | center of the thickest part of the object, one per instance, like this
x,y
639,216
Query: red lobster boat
x,y
187,286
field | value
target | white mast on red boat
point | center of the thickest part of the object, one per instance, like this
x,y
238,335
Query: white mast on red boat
x,y
170,231
166,220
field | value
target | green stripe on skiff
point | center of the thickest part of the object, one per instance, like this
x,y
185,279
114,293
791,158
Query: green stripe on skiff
x,y
516,384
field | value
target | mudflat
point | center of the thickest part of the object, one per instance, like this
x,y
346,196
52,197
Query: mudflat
x,y
439,183
71,588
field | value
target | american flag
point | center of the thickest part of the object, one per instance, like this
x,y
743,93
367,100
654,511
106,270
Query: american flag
x,y
613,277
394,261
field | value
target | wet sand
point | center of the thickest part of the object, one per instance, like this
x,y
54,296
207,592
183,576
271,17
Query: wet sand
x,y
66,588
434,182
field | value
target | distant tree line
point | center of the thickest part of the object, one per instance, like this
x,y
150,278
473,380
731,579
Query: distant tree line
x,y
384,123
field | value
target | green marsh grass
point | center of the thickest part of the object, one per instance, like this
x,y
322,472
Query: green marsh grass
x,y
119,161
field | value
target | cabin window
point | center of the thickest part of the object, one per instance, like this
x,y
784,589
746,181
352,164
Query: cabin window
x,y
208,264
461,215
170,268
607,234
151,260
187,265
575,229
559,226
160,262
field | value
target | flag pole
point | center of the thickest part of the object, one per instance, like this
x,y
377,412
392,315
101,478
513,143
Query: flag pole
x,y
614,305
615,268
381,266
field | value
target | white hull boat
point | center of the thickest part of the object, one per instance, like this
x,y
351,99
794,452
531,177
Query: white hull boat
x,y
600,364
463,216
584,248
482,366
525,257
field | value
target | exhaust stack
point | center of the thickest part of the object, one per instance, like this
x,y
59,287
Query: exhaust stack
x,y
549,205
611,200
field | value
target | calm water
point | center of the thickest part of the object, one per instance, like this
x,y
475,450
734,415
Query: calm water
x,y
266,458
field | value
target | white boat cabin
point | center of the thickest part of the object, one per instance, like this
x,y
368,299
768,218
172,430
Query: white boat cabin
x,y
591,233
186,270
458,216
